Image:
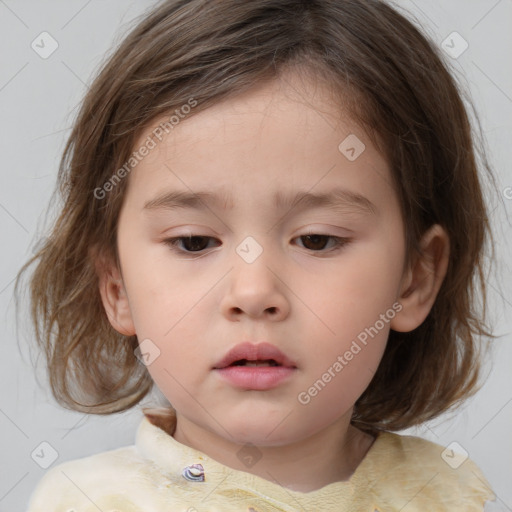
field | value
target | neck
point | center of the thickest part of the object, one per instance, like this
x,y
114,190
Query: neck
x,y
306,465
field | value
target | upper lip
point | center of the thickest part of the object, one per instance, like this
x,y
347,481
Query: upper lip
x,y
254,352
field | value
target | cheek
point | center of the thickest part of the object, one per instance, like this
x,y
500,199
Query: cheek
x,y
165,311
180,366
355,293
349,330
159,296
334,384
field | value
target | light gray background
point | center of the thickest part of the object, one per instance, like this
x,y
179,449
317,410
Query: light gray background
x,y
37,100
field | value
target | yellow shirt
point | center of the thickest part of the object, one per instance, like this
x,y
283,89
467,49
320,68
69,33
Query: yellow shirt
x,y
159,474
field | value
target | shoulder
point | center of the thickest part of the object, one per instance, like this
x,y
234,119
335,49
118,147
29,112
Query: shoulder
x,y
93,483
417,473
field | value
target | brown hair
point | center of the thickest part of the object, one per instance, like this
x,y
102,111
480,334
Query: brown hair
x,y
401,93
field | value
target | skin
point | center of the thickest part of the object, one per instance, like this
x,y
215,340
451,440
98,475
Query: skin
x,y
308,299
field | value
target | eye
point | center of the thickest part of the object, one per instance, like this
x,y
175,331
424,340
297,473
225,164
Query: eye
x,y
317,242
191,244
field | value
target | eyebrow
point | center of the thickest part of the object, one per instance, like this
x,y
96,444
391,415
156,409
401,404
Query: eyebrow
x,y
337,199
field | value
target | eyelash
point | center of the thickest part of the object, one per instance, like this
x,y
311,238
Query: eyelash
x,y
172,243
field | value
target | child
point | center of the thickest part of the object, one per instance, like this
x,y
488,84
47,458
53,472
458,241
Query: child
x,y
272,211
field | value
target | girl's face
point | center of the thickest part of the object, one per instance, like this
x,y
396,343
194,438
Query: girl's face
x,y
254,275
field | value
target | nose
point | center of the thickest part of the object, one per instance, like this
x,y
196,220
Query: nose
x,y
256,290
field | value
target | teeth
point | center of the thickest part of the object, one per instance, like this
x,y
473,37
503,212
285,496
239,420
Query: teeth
x,y
244,362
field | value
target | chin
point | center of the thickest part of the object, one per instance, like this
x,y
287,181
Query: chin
x,y
262,432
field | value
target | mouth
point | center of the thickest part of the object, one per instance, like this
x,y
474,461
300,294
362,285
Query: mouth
x,y
251,355
259,367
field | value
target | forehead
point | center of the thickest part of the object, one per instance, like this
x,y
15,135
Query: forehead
x,y
289,134
300,102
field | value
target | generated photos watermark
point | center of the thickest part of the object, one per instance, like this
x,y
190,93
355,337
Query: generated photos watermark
x,y
304,397
145,148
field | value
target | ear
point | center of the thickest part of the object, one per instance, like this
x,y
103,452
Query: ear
x,y
113,295
422,280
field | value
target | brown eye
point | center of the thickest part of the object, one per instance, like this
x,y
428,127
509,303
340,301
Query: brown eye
x,y
189,244
315,242
195,243
318,242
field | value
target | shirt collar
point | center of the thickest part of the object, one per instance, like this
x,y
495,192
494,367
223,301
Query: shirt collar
x,y
192,468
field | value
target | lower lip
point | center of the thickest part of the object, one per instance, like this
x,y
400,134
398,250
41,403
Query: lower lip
x,y
256,377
